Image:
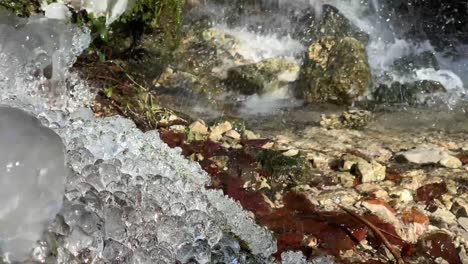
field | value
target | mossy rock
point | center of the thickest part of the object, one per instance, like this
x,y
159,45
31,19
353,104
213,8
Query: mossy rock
x,y
407,93
408,64
333,23
294,170
335,70
262,77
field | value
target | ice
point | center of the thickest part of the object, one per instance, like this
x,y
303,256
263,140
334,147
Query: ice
x,y
127,197
32,180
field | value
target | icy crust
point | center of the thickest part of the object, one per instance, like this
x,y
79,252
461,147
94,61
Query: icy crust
x,y
32,180
35,56
132,198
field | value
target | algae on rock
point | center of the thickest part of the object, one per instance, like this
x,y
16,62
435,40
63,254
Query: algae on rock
x,y
335,70
265,76
333,23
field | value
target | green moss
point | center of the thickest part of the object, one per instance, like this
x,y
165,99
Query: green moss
x,y
22,8
290,170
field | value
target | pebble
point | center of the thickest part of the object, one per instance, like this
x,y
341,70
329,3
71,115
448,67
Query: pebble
x,y
463,222
421,156
370,172
233,134
291,153
451,162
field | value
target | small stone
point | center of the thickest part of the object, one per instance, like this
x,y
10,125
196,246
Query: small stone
x,y
421,156
381,209
291,153
178,128
249,135
403,195
218,130
463,222
371,172
233,134
451,162
199,127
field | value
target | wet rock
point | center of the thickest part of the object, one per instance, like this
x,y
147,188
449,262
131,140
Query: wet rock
x,y
407,64
354,119
407,93
284,169
366,171
450,162
431,191
463,222
370,172
221,40
335,70
238,124
381,209
217,131
199,130
333,23
415,224
249,135
262,77
421,156
233,134
440,245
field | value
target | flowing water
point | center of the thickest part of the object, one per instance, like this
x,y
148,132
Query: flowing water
x,y
270,34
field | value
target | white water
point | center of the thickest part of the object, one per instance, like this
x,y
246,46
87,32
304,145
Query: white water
x,y
383,49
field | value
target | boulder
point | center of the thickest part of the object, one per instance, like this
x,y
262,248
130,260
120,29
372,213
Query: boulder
x,y
262,77
335,70
333,23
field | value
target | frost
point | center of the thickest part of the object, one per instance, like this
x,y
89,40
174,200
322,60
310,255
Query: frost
x,y
32,180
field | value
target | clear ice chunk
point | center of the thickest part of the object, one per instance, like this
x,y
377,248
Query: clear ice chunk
x,y
32,180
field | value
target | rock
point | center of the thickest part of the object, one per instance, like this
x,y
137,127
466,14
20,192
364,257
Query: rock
x,y
407,64
407,93
221,40
262,77
381,209
233,134
415,224
291,153
451,162
199,130
333,23
335,70
284,169
238,124
370,172
421,156
249,135
355,119
463,222
217,131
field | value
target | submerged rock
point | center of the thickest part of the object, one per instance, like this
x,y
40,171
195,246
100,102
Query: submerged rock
x,y
262,77
355,119
335,70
